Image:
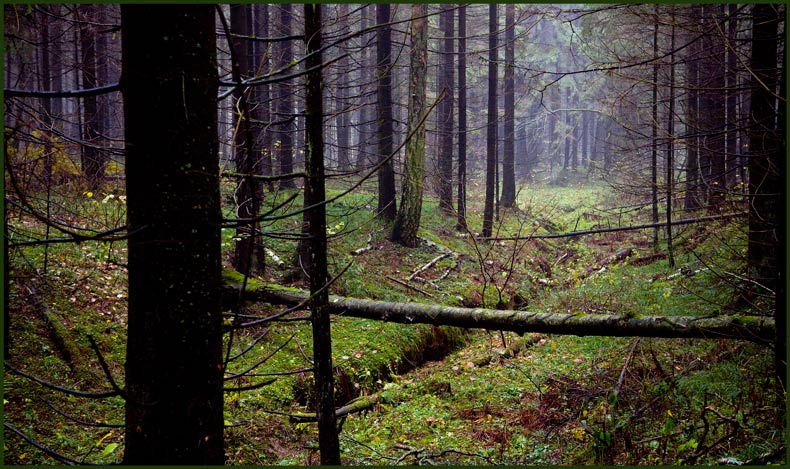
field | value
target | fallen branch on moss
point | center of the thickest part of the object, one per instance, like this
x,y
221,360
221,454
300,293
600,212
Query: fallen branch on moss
x,y
756,329
355,405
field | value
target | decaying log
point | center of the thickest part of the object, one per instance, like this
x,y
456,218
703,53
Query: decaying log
x,y
757,329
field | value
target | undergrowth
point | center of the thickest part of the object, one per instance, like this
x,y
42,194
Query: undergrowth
x,y
444,396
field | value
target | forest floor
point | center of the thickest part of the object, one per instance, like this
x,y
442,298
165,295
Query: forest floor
x,y
441,395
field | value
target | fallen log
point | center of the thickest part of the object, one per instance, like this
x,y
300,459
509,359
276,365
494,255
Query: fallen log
x,y
756,329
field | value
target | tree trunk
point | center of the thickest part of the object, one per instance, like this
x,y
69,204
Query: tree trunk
x,y
670,141
461,221
758,329
712,111
262,104
445,116
343,119
491,135
509,153
315,219
285,112
692,200
247,194
93,162
654,146
408,220
386,176
174,408
766,183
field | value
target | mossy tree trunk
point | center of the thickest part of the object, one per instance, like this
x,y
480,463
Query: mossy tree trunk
x,y
408,220
759,329
174,372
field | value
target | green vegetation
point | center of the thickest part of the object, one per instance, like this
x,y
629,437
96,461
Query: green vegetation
x,y
445,396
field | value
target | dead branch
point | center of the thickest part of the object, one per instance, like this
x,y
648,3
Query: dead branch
x,y
428,265
684,221
411,287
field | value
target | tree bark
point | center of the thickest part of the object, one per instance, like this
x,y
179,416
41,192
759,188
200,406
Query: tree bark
x,y
509,153
491,135
315,219
386,176
767,146
247,194
670,142
174,406
343,118
408,220
445,117
461,221
692,200
285,112
757,329
93,162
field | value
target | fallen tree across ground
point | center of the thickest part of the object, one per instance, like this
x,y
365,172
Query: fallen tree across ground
x,y
756,329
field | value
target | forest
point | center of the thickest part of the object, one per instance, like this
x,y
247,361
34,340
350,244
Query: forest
x,y
394,234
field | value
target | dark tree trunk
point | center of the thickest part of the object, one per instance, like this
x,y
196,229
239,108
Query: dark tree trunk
x,y
366,126
315,221
731,139
93,162
670,141
491,135
509,150
386,175
284,104
461,221
767,191
693,199
174,407
712,111
261,114
445,117
408,220
654,145
343,119
247,194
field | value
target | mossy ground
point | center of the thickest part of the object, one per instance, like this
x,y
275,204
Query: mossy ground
x,y
447,397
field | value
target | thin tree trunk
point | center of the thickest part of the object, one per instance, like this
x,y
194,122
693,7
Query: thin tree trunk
x,y
247,194
692,200
671,140
315,219
343,119
654,146
93,164
285,102
509,150
445,116
491,136
461,221
386,176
